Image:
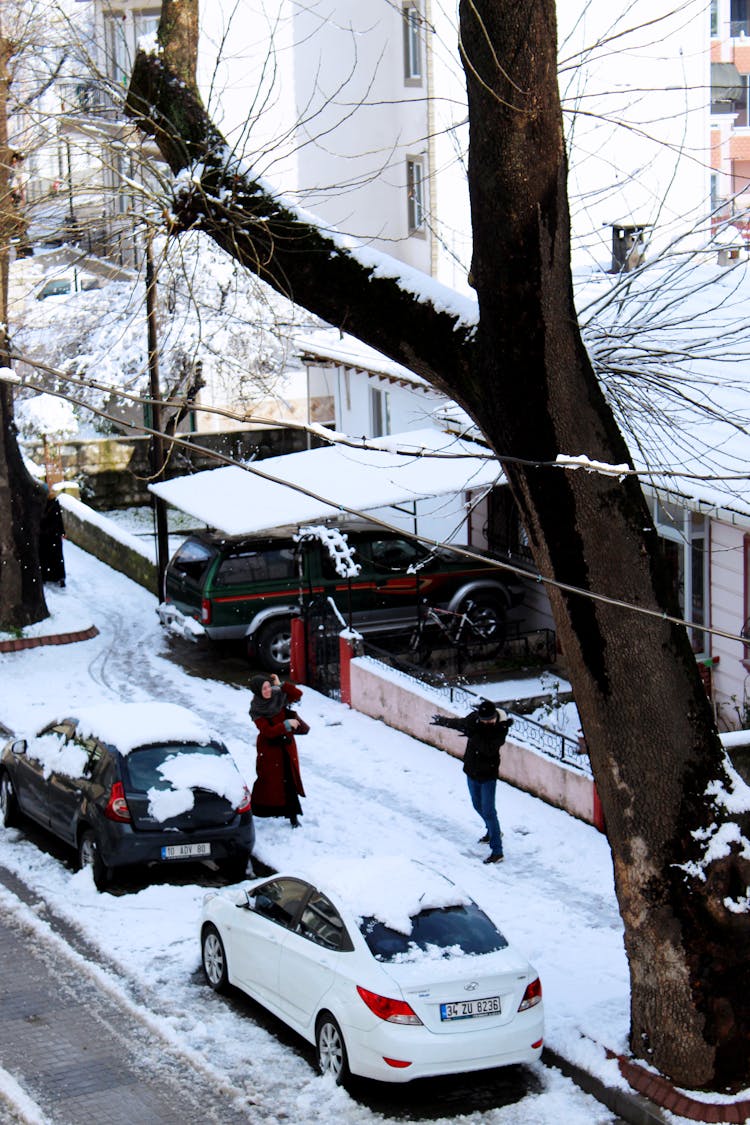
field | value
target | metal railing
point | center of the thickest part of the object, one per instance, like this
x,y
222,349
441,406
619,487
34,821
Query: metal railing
x,y
525,731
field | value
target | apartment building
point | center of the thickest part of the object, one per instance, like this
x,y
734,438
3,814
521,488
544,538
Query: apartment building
x,y
730,113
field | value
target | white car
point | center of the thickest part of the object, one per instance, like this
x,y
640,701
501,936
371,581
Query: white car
x,y
385,965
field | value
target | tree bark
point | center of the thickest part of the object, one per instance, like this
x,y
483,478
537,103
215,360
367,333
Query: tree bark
x,y
524,376
21,499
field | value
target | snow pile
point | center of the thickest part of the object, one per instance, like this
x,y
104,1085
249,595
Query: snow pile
x,y
391,889
185,773
337,546
732,799
46,416
56,756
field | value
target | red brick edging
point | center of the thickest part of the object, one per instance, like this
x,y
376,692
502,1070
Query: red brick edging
x,y
662,1093
54,639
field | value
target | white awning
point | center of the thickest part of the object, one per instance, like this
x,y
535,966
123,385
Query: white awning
x,y
319,484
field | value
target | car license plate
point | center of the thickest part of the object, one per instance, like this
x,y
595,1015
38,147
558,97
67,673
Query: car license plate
x,y
467,1009
185,851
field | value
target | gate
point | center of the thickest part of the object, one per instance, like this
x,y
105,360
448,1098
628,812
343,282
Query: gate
x,y
323,623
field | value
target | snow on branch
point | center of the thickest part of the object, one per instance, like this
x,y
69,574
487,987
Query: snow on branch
x,y
584,462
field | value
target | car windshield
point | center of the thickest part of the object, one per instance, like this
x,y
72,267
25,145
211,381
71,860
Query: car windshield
x,y
455,927
141,766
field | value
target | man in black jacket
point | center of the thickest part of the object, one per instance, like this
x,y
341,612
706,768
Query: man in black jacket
x,y
486,729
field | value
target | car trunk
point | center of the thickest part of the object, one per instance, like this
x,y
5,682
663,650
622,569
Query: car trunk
x,y
463,994
209,811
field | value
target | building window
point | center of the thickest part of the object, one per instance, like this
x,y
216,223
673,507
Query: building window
x,y
412,43
738,18
380,412
415,195
714,18
122,30
683,538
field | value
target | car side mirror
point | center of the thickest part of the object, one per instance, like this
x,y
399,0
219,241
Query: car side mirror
x,y
19,746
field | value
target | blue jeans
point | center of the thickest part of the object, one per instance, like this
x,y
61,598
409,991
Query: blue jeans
x,y
482,795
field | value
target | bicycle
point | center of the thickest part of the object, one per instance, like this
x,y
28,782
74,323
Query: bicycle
x,y
476,631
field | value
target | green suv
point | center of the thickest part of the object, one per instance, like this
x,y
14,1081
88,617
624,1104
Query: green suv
x,y
249,588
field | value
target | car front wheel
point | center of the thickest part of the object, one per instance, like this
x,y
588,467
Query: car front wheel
x,y
331,1050
8,803
214,959
90,856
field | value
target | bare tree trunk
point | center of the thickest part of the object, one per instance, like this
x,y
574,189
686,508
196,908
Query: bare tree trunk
x,y
21,588
526,379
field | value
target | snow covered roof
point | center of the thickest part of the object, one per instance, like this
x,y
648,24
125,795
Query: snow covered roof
x,y
333,347
322,483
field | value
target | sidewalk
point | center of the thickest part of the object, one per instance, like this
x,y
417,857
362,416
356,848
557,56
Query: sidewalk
x,y
79,1056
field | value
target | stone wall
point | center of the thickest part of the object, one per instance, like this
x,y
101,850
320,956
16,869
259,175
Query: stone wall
x,y
115,472
408,705
102,538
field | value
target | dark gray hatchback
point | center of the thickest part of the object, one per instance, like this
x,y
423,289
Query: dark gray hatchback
x,y
131,783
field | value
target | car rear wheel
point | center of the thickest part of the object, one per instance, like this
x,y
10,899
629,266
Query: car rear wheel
x,y
214,959
274,645
90,856
8,803
331,1050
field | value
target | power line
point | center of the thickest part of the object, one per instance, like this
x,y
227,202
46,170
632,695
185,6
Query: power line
x,y
465,552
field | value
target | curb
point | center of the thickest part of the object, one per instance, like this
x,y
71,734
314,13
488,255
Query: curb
x,y
650,1094
664,1094
629,1107
53,639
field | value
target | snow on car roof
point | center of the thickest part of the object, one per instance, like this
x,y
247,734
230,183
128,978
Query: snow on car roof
x,y
127,725
391,889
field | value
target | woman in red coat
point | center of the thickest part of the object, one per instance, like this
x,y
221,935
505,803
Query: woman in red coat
x,y
278,785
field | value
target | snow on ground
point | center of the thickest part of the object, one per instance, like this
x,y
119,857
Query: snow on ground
x,y
371,791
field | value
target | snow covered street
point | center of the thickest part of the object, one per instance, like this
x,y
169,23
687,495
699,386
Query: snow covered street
x,y
370,790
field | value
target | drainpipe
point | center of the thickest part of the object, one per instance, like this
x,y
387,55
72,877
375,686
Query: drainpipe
x,y
431,159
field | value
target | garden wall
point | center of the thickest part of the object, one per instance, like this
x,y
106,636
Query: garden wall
x,y
408,705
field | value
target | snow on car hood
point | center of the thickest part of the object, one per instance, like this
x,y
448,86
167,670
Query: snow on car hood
x,y
187,772
391,889
127,725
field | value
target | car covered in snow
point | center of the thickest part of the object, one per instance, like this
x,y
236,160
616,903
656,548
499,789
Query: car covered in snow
x,y
249,588
390,969
131,784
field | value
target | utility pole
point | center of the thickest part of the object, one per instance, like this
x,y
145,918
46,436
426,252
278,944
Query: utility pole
x,y
157,443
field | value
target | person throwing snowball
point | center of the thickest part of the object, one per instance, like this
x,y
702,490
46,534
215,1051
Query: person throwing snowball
x,y
486,729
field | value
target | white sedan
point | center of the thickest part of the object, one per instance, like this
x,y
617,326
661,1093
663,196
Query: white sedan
x,y
385,965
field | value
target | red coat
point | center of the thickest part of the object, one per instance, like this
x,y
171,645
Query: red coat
x,y
275,743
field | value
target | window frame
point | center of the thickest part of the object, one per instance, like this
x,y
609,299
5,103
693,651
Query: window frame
x,y
416,209
413,48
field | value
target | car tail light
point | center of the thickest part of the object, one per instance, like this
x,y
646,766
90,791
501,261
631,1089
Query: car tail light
x,y
117,806
531,996
206,611
398,1063
535,1046
244,805
393,1011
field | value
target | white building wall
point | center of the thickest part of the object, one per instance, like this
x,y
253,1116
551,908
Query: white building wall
x,y
730,678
